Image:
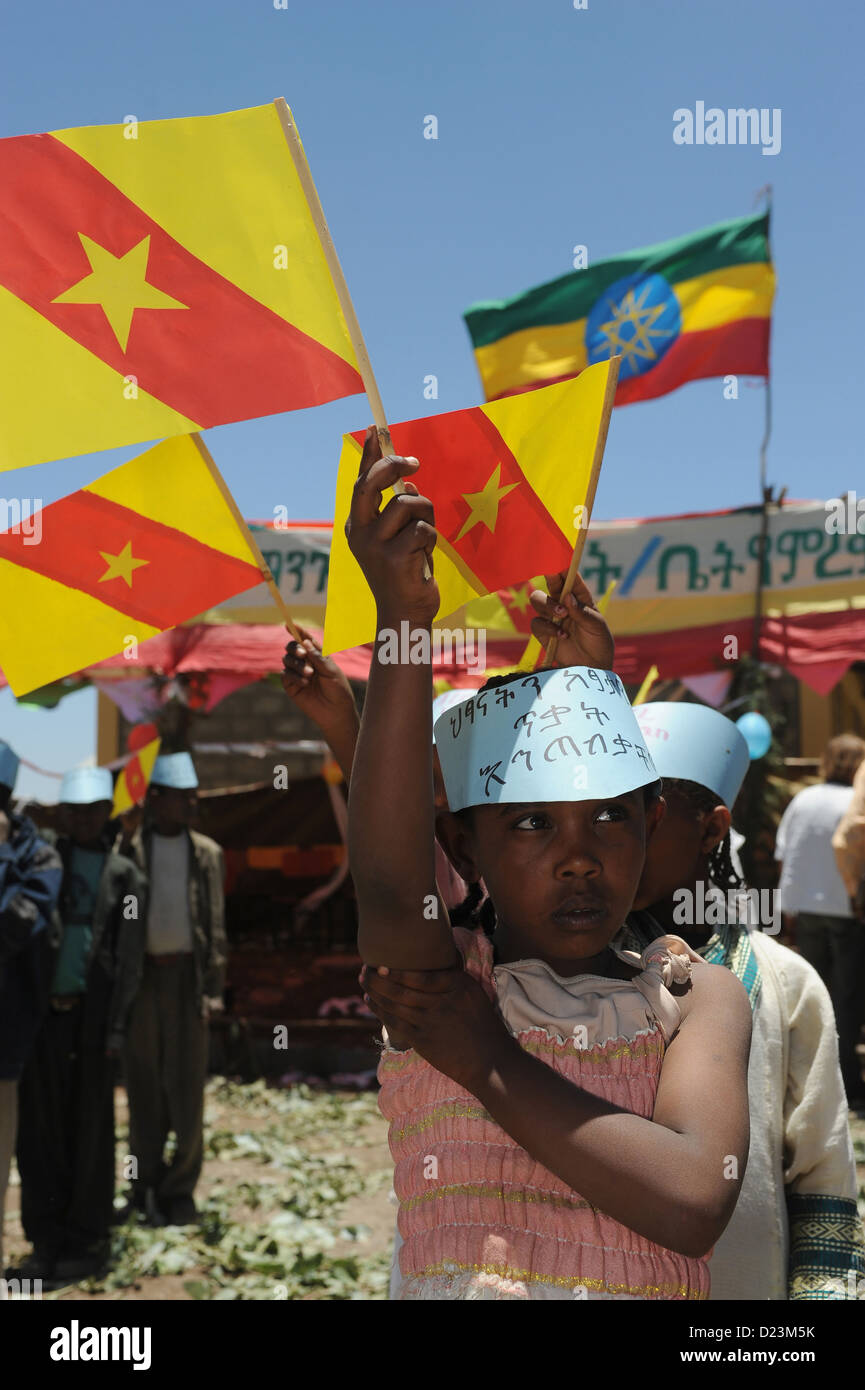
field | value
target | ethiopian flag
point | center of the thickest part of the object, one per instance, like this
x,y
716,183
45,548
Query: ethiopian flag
x,y
512,483
156,279
149,545
696,307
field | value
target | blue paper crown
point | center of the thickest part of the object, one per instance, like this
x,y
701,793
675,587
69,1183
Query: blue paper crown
x,y
696,744
84,785
175,770
9,762
562,735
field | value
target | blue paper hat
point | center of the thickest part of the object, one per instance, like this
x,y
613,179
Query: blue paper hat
x,y
84,785
176,770
442,703
8,765
696,744
566,735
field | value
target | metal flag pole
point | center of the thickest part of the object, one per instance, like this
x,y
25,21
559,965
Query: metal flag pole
x,y
765,489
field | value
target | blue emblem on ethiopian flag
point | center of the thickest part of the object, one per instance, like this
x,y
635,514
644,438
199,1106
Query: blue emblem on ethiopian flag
x,y
638,318
699,306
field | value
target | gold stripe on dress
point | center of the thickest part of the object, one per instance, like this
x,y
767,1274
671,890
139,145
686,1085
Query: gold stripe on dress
x,y
569,1281
483,1190
454,1111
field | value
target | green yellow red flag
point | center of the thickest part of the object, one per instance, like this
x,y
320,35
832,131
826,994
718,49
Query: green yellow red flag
x,y
509,482
133,780
159,278
697,306
145,547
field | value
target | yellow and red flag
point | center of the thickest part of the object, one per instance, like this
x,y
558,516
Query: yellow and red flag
x,y
143,548
133,779
156,279
509,481
515,602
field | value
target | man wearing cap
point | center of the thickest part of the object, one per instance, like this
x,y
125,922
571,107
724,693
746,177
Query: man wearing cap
x,y
66,1125
795,1232
29,883
182,982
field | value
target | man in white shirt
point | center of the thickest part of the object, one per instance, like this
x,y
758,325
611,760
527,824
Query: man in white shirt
x,y
848,843
181,984
813,893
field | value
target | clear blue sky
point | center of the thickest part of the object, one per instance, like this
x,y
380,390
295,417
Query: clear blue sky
x,y
555,128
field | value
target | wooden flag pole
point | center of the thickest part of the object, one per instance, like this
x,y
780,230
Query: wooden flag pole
x,y
289,130
263,566
370,385
600,444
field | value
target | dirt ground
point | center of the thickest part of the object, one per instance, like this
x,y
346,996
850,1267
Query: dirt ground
x,y
295,1203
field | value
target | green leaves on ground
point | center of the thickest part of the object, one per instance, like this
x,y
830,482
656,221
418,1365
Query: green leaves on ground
x,y
273,1237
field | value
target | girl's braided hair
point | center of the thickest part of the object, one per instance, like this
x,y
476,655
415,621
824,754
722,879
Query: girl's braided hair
x,y
476,910
702,802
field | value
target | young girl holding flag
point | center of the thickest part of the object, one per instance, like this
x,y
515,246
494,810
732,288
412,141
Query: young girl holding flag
x,y
567,1119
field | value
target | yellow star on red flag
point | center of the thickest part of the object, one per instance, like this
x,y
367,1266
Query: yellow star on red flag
x,y
119,285
485,504
121,566
520,598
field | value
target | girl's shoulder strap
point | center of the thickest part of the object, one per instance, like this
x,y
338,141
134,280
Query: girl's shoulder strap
x,y
665,962
668,956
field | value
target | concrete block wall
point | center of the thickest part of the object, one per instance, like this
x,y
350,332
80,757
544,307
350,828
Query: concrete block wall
x,y
259,712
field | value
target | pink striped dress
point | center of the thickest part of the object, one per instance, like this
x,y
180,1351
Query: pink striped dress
x,y
478,1217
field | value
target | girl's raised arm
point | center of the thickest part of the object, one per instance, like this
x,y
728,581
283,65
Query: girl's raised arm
x,y
391,833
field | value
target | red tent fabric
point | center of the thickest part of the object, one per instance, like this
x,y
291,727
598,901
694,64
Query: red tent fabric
x,y
816,648
255,650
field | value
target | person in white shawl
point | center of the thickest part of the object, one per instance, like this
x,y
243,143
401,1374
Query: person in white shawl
x,y
795,1232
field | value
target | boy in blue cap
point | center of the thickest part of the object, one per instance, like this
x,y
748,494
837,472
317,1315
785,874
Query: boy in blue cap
x,y
183,940
29,883
66,1125
795,1232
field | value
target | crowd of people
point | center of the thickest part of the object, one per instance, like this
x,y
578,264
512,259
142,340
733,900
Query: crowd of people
x,y
597,1086
112,945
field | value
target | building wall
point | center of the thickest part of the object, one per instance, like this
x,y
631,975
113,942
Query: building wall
x,y
842,711
259,712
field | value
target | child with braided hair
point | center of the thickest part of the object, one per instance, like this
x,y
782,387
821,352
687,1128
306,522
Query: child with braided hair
x,y
559,1109
795,1233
